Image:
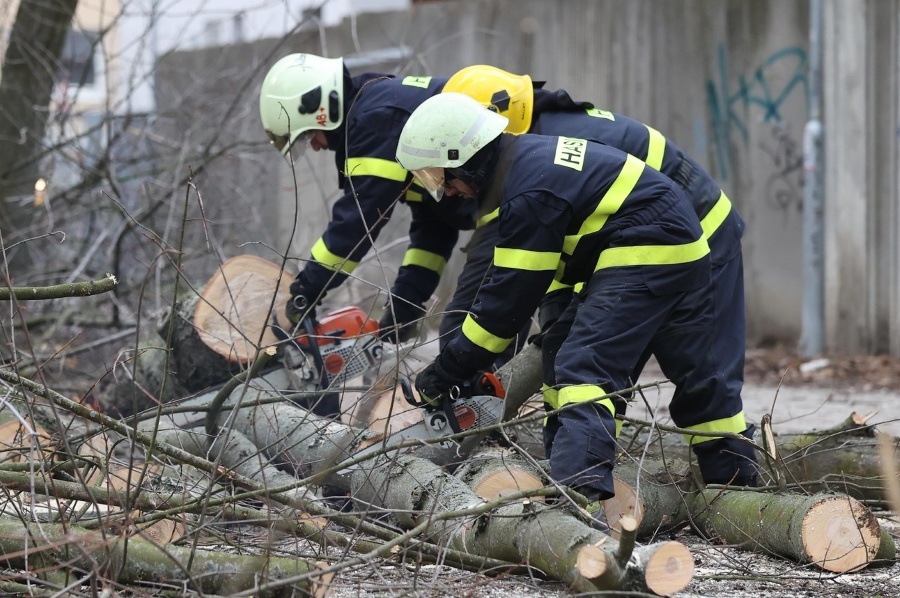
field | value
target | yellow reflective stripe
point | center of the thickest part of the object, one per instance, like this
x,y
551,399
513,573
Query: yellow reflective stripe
x,y
716,216
425,259
523,259
329,260
557,286
583,393
610,203
551,396
473,331
413,196
656,147
653,255
386,169
734,424
619,423
489,217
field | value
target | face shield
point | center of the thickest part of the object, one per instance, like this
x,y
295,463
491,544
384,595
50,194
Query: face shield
x,y
279,141
297,148
432,179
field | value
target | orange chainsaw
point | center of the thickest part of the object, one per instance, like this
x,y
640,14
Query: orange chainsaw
x,y
342,345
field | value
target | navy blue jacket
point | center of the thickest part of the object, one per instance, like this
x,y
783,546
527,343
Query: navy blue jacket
x,y
569,208
365,146
555,113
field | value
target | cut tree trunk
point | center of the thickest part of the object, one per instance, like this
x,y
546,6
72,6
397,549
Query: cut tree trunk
x,y
842,461
834,532
313,447
214,336
554,540
233,313
494,474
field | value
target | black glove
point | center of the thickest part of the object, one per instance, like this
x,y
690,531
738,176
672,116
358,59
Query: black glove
x,y
434,383
300,306
400,321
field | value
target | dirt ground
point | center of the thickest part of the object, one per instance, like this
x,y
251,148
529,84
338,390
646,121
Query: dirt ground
x,y
800,395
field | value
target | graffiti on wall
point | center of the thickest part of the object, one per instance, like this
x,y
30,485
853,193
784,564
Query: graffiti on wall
x,y
784,186
734,101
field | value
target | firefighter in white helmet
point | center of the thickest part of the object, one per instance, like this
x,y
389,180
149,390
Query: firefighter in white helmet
x,y
311,99
579,212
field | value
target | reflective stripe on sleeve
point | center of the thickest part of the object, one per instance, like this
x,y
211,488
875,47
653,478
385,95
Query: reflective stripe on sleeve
x,y
473,331
523,259
413,196
385,169
734,424
610,203
557,286
329,260
489,217
425,259
653,255
656,147
717,215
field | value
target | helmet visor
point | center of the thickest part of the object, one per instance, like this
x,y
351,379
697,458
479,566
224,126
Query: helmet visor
x,y
279,141
432,179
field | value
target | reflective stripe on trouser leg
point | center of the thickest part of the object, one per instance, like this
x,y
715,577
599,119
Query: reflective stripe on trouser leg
x,y
616,320
551,422
553,338
706,364
584,446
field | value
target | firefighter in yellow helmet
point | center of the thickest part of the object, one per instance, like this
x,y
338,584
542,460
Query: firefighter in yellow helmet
x,y
532,109
576,211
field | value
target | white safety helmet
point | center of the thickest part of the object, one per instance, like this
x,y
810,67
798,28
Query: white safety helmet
x,y
301,92
445,131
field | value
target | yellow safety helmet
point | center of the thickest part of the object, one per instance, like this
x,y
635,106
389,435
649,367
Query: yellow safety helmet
x,y
502,92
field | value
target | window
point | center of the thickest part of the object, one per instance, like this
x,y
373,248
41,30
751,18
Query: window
x,y
77,61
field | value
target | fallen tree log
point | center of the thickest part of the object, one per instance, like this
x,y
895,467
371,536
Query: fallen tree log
x,y
834,532
315,447
555,541
71,548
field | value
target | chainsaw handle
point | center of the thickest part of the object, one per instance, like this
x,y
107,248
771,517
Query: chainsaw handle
x,y
484,383
408,394
487,383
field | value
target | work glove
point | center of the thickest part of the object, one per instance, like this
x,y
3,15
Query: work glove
x,y
400,321
434,384
301,306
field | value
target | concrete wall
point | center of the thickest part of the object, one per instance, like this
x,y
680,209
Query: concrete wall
x,y
861,119
726,80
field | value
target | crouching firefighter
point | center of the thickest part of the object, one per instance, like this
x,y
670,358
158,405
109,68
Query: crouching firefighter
x,y
572,212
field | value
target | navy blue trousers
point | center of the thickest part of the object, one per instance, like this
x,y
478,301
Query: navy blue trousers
x,y
605,337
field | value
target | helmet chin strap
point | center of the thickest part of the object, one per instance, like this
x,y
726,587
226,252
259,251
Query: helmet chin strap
x,y
476,168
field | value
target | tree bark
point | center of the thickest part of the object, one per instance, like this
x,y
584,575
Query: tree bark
x,y
846,461
834,532
70,546
553,540
26,83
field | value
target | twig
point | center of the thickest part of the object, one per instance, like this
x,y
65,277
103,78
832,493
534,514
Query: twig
x,y
74,289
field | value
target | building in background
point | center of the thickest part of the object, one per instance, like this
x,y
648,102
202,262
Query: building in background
x,y
153,28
